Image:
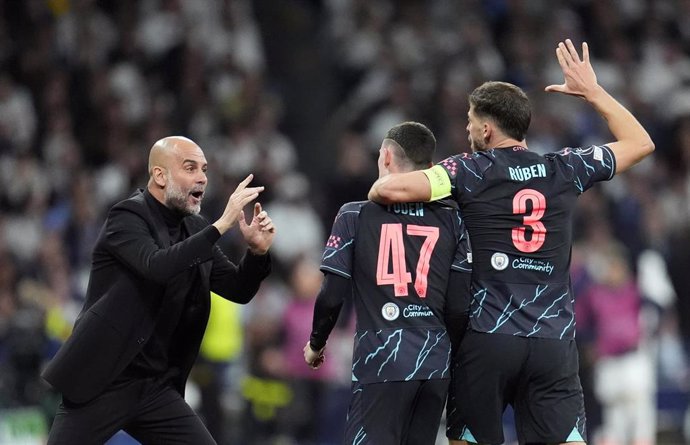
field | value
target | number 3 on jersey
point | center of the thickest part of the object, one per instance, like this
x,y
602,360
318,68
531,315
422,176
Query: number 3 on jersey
x,y
392,256
532,220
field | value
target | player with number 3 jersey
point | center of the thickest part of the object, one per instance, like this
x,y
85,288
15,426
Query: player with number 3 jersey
x,y
521,280
406,268
518,207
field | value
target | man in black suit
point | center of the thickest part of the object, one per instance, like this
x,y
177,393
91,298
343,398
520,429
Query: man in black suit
x,y
147,305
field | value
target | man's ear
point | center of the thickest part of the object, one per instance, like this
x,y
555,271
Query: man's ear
x,y
158,175
387,156
488,130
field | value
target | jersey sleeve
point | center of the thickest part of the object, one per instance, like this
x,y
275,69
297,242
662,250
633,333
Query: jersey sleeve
x,y
464,171
462,262
329,301
587,164
339,250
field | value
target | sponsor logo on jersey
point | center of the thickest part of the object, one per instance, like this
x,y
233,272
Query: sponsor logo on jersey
x,y
416,310
390,311
532,264
499,260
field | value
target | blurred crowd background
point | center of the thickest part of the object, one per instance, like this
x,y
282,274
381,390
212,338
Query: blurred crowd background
x,y
300,93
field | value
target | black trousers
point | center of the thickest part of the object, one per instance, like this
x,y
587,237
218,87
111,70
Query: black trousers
x,y
149,410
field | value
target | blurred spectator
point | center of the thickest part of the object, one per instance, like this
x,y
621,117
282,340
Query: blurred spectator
x,y
319,407
301,227
22,341
215,370
624,377
263,389
17,115
352,175
679,265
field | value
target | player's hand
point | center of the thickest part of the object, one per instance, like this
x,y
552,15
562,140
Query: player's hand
x,y
313,358
242,196
579,77
259,232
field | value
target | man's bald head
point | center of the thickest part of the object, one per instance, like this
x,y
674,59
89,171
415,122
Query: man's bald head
x,y
177,173
162,151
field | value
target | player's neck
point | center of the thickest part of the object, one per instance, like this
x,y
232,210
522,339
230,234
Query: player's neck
x,y
507,142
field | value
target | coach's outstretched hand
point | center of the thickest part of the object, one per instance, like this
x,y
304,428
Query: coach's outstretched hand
x,y
259,232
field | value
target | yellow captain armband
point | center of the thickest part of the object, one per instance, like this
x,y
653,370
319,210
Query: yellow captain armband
x,y
440,182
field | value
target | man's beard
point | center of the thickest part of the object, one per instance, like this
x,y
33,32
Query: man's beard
x,y
177,199
476,145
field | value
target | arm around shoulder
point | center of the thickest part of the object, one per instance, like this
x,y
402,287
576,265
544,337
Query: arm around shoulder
x,y
401,187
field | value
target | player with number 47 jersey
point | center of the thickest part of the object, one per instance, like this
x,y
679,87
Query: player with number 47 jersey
x,y
398,257
406,270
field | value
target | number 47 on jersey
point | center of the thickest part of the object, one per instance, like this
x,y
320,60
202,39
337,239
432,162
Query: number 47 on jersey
x,y
391,267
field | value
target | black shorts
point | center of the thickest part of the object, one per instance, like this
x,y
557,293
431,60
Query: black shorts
x,y
537,376
395,413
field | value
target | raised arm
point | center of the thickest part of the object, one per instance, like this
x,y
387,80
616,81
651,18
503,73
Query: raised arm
x,y
632,142
401,187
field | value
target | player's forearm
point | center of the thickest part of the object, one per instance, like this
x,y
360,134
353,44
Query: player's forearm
x,y
381,191
327,308
325,317
457,309
633,143
401,187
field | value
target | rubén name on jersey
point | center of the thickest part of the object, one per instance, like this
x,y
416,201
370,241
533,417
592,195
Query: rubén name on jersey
x,y
526,173
407,208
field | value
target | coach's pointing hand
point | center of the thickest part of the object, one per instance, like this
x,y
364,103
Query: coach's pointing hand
x,y
242,196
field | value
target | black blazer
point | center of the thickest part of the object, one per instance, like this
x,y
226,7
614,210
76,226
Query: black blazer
x,y
134,272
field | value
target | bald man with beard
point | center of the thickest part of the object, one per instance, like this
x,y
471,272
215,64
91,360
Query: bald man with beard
x,y
147,304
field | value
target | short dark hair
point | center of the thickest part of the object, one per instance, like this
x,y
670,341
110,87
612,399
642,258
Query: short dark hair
x,y
417,142
506,104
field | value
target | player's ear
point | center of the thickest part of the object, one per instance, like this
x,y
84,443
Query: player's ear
x,y
487,131
387,156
